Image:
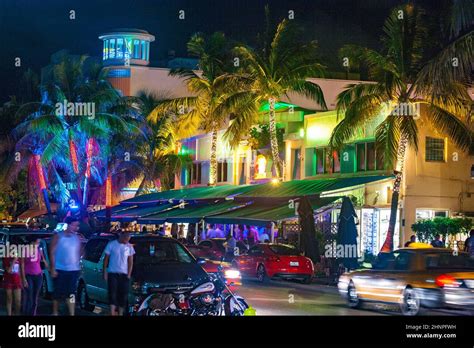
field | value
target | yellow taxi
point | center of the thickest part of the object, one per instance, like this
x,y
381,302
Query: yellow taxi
x,y
414,278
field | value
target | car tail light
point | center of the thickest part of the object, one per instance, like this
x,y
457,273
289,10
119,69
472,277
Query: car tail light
x,y
445,280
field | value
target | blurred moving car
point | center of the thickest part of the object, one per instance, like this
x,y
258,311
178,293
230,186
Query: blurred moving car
x,y
213,248
413,278
266,261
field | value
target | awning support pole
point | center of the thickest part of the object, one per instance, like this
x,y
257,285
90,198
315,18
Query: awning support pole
x,y
273,232
196,233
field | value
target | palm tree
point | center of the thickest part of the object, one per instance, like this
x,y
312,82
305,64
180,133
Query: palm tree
x,y
395,72
159,141
281,67
214,98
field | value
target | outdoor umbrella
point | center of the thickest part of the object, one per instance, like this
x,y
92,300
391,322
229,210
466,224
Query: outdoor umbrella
x,y
347,235
308,231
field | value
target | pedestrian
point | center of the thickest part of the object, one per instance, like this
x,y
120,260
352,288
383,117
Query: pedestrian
x,y
161,231
218,232
264,238
229,246
34,276
13,282
118,266
412,240
437,242
245,242
211,232
65,253
468,242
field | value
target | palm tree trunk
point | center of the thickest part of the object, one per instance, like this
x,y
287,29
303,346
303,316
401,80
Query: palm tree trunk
x,y
75,166
402,146
213,164
42,182
108,200
142,185
274,140
88,172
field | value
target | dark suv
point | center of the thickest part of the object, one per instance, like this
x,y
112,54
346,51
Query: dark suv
x,y
159,263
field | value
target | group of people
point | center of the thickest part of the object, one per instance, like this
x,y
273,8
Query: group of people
x,y
437,242
23,276
252,235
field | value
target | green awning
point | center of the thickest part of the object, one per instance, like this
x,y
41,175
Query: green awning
x,y
191,213
308,187
133,214
282,190
100,214
259,214
207,192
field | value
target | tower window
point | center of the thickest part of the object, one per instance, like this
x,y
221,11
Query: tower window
x,y
120,49
143,50
136,49
112,48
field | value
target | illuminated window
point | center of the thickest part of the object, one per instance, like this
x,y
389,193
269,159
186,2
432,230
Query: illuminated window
x,y
105,50
112,48
120,48
136,49
434,151
143,50
368,158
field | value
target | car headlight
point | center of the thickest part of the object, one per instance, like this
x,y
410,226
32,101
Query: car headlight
x,y
232,274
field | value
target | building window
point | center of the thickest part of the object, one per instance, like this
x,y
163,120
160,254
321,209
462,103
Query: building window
x,y
112,48
222,171
434,150
136,49
361,156
320,161
368,158
106,49
425,214
196,171
370,148
336,162
120,48
143,50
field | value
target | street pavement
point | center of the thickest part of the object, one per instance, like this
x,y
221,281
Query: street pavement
x,y
277,298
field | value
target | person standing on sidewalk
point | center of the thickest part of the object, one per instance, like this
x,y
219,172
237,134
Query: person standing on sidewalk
x,y
13,282
118,266
65,254
34,276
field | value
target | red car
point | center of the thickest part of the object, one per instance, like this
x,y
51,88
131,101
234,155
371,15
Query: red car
x,y
266,261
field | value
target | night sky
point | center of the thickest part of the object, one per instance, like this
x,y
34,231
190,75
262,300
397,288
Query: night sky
x,y
35,29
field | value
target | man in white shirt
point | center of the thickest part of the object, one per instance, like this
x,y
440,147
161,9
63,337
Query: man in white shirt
x,y
118,265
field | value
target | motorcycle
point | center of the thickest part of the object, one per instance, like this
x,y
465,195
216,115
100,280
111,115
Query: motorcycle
x,y
213,298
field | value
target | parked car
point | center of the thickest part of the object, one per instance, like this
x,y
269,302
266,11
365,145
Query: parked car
x,y
266,261
213,249
159,263
413,278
